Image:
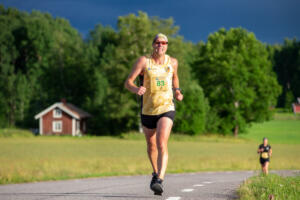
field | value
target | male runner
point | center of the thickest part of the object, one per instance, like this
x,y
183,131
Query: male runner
x,y
159,80
265,154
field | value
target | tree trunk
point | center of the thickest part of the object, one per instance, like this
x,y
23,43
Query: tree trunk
x,y
236,131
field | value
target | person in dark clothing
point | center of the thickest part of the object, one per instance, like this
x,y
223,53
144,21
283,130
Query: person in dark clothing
x,y
265,152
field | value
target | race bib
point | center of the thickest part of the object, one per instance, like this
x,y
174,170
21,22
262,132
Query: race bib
x,y
265,155
159,84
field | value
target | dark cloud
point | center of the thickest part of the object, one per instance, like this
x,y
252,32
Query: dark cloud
x,y
270,20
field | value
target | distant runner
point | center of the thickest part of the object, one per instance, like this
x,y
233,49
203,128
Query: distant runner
x,y
265,154
159,83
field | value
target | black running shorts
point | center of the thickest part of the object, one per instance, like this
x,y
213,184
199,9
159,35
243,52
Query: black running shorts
x,y
263,161
150,121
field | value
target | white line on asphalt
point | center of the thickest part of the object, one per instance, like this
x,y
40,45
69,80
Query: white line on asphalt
x,y
207,182
187,190
173,198
198,185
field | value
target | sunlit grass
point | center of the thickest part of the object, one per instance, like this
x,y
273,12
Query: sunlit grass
x,y
270,187
284,129
25,158
51,158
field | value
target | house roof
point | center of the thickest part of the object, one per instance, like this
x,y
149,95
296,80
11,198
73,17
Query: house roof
x,y
69,108
80,112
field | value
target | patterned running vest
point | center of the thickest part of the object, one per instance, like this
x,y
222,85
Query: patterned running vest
x,y
158,97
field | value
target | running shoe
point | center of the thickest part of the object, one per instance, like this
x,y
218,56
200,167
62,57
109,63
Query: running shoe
x,y
153,180
157,187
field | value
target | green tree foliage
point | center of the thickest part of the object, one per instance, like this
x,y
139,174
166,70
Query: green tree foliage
x,y
236,75
287,67
191,114
43,60
15,78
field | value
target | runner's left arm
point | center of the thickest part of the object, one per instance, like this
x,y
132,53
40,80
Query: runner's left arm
x,y
178,94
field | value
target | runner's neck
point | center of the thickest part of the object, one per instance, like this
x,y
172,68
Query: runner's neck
x,y
158,59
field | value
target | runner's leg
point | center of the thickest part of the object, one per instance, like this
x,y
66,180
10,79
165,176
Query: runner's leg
x,y
150,135
266,168
164,126
263,168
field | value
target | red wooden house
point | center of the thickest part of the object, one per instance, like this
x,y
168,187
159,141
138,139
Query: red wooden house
x,y
296,106
62,119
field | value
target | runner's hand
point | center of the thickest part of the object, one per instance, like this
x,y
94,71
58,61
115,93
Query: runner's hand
x,y
140,91
178,95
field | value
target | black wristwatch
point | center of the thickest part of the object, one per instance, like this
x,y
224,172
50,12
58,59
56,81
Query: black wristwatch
x,y
177,89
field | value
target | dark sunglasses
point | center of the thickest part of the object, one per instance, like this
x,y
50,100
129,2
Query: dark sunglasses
x,y
162,43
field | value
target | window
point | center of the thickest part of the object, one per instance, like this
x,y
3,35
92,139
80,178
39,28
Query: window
x,y
57,126
57,113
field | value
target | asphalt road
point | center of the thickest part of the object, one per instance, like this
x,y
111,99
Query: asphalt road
x,y
200,186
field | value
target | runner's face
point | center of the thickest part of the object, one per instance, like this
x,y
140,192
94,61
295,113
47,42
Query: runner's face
x,y
265,141
160,46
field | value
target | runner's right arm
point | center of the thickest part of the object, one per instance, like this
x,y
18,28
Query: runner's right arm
x,y
137,69
260,149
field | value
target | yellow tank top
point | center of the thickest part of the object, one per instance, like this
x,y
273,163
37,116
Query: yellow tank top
x,y
158,97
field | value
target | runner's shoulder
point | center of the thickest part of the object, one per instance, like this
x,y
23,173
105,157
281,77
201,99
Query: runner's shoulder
x,y
174,61
142,61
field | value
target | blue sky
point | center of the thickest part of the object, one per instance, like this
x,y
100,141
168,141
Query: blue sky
x,y
270,20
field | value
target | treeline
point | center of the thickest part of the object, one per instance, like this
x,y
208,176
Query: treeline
x,y
228,82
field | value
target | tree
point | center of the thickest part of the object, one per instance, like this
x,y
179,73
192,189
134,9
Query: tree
x,y
191,114
43,59
287,67
237,78
15,90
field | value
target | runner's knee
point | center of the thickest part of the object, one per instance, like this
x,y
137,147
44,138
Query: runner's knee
x,y
151,147
162,146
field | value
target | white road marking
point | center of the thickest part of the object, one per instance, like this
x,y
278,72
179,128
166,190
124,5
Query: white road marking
x,y
207,182
198,185
173,198
187,190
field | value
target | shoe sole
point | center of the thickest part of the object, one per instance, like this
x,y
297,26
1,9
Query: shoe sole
x,y
158,190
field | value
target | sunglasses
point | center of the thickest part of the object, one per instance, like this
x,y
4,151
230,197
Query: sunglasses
x,y
162,43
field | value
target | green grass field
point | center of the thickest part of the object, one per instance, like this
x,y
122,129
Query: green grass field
x,y
266,187
284,129
27,159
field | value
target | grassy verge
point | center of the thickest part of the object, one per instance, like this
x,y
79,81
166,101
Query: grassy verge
x,y
270,187
14,132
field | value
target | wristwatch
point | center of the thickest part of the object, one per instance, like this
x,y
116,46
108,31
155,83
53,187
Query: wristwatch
x,y
177,89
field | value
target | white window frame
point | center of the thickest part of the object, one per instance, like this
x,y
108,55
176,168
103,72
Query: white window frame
x,y
57,126
57,113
